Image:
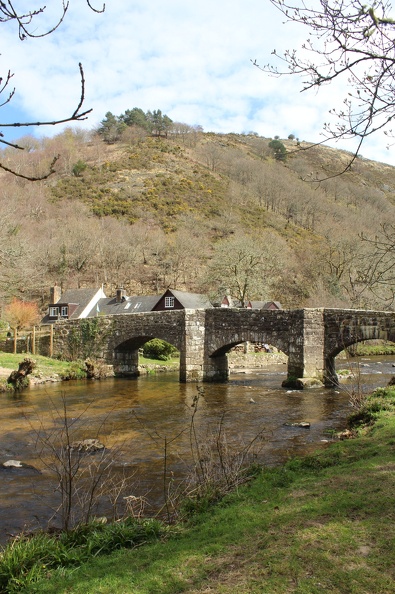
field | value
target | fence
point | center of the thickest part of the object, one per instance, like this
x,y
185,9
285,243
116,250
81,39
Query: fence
x,y
39,341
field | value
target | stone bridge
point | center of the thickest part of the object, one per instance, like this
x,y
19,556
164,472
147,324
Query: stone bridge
x,y
310,337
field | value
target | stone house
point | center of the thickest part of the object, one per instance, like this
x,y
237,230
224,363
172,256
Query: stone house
x,y
88,303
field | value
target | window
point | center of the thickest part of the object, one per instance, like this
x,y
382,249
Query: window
x,y
53,312
169,301
64,311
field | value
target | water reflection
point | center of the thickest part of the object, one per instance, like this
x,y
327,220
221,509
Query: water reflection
x,y
137,416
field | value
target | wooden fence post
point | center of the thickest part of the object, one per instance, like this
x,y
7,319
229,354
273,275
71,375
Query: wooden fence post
x,y
15,340
51,341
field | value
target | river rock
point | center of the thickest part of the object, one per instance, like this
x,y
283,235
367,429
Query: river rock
x,y
20,466
301,383
303,424
87,446
13,464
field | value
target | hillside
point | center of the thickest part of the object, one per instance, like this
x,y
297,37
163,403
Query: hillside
x,y
198,211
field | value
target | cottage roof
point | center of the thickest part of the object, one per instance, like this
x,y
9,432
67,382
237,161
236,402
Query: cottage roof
x,y
134,304
80,298
191,300
257,304
269,304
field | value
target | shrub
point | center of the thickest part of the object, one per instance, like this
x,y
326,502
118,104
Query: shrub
x,y
280,152
158,349
76,370
78,168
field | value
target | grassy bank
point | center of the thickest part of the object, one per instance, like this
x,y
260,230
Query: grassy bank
x,y
45,365
54,368
323,523
371,350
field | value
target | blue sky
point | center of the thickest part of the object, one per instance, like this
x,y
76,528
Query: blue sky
x,y
189,59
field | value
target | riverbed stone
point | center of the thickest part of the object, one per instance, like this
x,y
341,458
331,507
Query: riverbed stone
x,y
87,446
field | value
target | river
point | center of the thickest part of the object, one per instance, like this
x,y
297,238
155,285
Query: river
x,y
141,419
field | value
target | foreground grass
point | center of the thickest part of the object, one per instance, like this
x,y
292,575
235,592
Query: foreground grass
x,y
323,523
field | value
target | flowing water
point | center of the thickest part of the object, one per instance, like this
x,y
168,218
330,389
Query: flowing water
x,y
140,419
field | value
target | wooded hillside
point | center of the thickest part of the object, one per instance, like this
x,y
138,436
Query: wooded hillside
x,y
201,212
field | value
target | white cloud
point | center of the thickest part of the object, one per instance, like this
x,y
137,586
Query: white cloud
x,y
189,59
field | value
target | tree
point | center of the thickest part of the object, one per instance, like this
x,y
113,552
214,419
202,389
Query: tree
x,y
378,273
26,28
352,42
111,128
160,123
21,314
136,117
244,265
280,152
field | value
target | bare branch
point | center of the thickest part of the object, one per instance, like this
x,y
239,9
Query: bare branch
x,y
8,12
348,41
29,177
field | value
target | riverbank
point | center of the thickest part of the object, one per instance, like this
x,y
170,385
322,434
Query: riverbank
x,y
55,370
322,523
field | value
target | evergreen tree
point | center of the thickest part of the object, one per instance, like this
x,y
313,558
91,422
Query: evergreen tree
x,y
111,128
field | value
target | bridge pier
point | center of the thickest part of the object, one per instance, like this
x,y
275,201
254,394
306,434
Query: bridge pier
x,y
306,345
192,348
331,379
216,369
126,363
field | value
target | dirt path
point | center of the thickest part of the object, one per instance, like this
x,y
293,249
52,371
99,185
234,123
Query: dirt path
x,y
5,372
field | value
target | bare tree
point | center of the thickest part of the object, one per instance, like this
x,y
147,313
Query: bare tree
x,y
246,266
378,274
352,42
24,22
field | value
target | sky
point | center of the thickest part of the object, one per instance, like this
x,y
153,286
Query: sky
x,y
191,60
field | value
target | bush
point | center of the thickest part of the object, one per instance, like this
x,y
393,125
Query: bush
x,y
280,152
76,370
158,349
78,168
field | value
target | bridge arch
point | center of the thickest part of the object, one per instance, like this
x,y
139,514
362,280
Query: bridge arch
x,y
343,328
125,359
226,328
130,334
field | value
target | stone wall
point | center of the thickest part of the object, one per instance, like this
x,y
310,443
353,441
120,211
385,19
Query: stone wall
x,y
24,345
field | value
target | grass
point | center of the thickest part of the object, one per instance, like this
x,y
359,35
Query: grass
x,y
371,350
174,362
323,523
45,365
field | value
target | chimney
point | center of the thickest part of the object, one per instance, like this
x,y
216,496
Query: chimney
x,y
54,294
121,293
